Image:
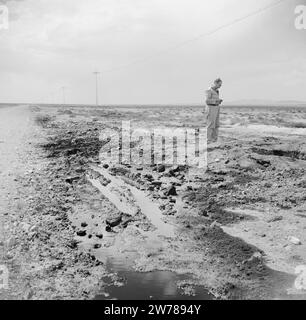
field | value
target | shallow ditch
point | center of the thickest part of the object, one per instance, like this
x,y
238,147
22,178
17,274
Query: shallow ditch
x,y
157,285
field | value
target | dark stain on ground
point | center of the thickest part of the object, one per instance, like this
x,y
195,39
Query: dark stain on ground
x,y
281,153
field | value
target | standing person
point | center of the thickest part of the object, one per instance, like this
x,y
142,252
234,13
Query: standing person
x,y
213,102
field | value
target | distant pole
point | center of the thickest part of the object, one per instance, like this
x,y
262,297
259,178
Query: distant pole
x,y
64,96
96,73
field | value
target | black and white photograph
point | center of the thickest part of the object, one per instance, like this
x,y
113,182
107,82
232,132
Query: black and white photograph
x,y
153,150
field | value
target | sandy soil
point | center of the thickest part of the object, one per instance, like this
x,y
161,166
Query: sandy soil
x,y
13,128
37,243
233,223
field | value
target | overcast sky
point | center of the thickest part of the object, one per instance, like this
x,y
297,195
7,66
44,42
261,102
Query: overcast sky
x,y
50,44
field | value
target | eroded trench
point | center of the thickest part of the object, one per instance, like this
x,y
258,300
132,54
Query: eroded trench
x,y
133,284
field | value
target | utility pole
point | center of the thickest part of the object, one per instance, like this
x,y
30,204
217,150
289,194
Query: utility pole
x,y
96,73
64,96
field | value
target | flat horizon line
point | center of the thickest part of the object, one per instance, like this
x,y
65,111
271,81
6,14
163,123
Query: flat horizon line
x,y
239,103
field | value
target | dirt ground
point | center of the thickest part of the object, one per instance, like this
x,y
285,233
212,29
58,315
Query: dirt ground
x,y
239,226
37,239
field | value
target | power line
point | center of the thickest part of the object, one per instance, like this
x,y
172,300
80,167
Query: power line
x,y
182,44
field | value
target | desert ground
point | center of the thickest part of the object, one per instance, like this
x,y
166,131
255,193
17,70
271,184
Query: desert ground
x,y
70,215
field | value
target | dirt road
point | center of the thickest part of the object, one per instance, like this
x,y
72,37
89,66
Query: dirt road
x,y
14,131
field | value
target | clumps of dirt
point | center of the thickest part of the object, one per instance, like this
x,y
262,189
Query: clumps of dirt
x,y
265,176
43,120
52,262
74,142
220,192
119,170
52,265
